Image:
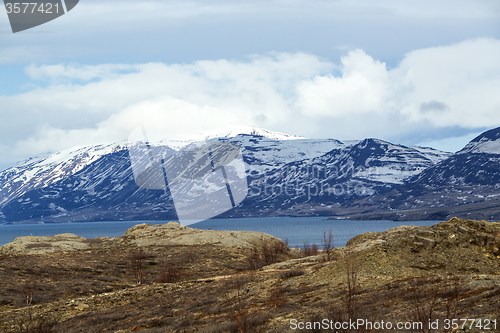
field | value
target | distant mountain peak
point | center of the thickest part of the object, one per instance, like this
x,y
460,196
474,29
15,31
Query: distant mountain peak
x,y
491,135
487,142
257,131
97,182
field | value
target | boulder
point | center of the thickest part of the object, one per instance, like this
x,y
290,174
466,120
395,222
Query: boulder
x,y
171,233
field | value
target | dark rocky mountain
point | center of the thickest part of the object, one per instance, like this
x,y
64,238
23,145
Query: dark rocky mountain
x,y
467,184
286,175
97,183
333,183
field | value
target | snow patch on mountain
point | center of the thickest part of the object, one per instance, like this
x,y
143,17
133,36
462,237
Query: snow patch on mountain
x,y
432,154
487,143
254,131
483,146
45,170
262,154
100,177
385,162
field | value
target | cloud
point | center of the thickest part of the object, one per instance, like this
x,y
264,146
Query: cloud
x,y
433,106
362,88
431,89
154,30
453,85
72,72
464,76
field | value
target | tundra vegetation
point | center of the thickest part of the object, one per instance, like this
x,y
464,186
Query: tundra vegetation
x,y
129,284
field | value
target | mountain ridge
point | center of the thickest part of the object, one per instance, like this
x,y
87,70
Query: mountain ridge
x,y
287,176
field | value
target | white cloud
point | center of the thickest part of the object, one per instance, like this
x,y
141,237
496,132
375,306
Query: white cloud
x,y
434,88
446,86
464,76
363,87
65,72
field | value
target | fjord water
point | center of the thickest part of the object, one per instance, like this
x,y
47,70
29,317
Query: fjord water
x,y
306,229
297,229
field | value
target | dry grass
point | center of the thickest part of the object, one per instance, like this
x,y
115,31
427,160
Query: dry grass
x,y
215,289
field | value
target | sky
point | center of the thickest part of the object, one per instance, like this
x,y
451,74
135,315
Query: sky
x,y
409,72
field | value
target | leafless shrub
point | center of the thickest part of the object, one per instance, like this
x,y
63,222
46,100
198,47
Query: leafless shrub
x,y
169,274
336,313
268,253
310,250
254,323
314,249
281,247
433,297
190,254
236,297
277,296
327,243
29,290
423,302
136,262
253,258
352,286
452,296
241,312
307,249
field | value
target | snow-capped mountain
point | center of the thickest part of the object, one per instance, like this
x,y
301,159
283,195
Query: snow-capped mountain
x,y
468,177
341,176
97,177
287,175
478,163
103,189
253,131
45,170
381,161
487,143
262,154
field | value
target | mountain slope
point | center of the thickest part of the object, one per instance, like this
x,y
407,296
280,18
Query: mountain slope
x,y
469,177
287,175
333,183
95,183
42,171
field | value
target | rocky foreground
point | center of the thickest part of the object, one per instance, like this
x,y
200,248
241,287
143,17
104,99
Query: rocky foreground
x,y
171,278
142,235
